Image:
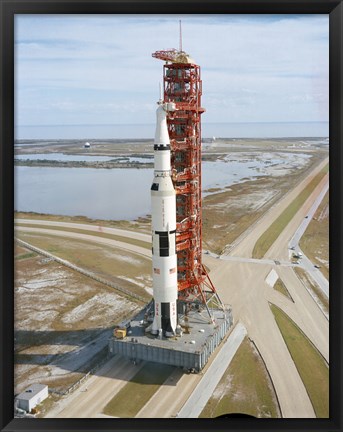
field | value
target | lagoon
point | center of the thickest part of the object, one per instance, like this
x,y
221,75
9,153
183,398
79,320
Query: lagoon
x,y
115,194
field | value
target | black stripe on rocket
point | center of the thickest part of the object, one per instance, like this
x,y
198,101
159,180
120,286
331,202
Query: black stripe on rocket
x,y
164,244
165,317
161,146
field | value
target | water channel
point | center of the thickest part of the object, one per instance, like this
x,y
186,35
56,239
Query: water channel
x,y
123,193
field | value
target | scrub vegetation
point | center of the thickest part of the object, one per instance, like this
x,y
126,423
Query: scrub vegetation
x,y
245,387
311,366
128,270
272,233
313,287
60,313
229,213
280,286
26,255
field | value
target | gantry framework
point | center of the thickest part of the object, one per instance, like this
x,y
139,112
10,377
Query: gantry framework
x,y
183,86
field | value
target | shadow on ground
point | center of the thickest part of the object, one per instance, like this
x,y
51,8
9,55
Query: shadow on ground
x,y
74,350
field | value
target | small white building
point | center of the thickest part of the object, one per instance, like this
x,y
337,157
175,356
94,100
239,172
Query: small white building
x,y
32,396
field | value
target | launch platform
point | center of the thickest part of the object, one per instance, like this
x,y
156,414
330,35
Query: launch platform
x,y
191,350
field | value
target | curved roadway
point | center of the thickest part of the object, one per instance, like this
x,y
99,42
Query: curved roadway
x,y
243,284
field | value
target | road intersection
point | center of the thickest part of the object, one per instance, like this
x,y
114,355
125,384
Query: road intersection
x,y
242,283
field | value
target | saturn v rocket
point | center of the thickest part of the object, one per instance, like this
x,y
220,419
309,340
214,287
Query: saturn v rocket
x,y
163,221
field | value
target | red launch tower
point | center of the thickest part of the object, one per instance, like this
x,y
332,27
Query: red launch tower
x,y
183,86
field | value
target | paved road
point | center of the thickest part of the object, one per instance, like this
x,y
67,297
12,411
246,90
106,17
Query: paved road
x,y
92,396
243,285
87,237
324,186
90,403
257,261
249,294
171,396
204,390
315,273
127,246
250,237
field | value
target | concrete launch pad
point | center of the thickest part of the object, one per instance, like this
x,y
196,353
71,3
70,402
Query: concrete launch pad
x,y
191,350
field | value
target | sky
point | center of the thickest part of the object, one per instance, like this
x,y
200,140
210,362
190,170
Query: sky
x,y
98,69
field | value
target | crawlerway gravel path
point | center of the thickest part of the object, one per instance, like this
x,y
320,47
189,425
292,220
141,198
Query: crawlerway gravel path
x,y
244,286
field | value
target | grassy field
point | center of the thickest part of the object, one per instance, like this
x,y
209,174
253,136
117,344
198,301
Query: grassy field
x,y
57,311
315,241
19,250
227,212
129,270
244,388
136,393
46,296
272,233
280,286
26,255
311,366
304,277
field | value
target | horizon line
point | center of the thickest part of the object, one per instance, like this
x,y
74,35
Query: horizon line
x,y
144,124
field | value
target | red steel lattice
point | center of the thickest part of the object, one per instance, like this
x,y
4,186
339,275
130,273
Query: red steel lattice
x,y
183,86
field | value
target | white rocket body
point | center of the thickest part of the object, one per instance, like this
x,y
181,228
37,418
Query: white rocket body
x,y
163,221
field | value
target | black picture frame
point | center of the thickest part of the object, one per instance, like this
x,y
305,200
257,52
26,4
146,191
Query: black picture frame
x,y
11,7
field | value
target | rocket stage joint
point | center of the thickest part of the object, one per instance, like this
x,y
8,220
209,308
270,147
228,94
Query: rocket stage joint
x,y
163,221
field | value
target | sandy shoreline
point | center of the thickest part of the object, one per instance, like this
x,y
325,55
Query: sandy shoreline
x,y
211,151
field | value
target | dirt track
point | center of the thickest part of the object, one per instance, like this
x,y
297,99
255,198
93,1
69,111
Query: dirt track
x,y
243,286
93,395
247,241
